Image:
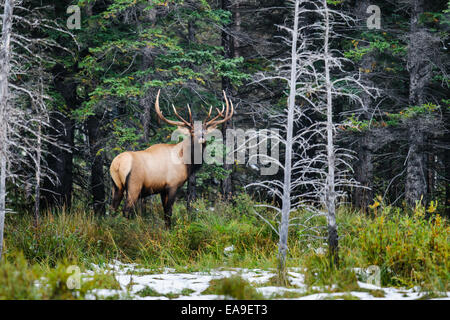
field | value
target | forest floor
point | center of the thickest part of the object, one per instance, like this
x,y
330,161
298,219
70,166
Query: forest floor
x,y
224,250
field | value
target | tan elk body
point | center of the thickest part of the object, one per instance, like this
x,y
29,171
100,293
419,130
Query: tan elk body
x,y
161,168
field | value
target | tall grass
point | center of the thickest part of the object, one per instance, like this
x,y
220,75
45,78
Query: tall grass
x,y
410,248
195,239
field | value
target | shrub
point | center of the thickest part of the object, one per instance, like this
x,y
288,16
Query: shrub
x,y
18,279
409,249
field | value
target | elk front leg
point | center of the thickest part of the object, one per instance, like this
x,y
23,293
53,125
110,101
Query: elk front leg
x,y
167,199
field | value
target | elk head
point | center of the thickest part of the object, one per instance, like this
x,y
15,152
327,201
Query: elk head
x,y
198,133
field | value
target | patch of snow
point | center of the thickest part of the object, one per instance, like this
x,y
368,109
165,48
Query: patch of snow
x,y
270,291
228,250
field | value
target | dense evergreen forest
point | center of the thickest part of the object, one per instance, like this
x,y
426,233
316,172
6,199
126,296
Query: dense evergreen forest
x,y
78,84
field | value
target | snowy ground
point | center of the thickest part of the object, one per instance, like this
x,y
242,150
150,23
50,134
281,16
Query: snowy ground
x,y
170,285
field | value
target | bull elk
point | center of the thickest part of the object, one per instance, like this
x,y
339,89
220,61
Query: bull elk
x,y
160,168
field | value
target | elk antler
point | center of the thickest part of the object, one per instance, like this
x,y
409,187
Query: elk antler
x,y
219,114
209,115
182,123
228,114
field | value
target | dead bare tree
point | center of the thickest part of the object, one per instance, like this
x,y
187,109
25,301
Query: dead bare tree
x,y
5,67
315,169
24,115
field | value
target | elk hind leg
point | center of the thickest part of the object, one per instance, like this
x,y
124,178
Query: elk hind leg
x,y
117,196
132,197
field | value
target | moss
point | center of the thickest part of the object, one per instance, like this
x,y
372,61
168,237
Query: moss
x,y
377,293
235,287
148,292
187,292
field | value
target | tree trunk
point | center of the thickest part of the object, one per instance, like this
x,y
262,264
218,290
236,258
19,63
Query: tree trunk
x,y
96,159
362,196
416,183
191,191
2,200
237,29
430,156
447,185
446,162
192,180
286,201
227,44
330,194
420,70
37,193
58,159
5,58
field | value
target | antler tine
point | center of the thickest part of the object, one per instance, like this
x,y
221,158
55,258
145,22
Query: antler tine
x,y
158,111
219,114
227,101
228,113
190,114
209,115
187,124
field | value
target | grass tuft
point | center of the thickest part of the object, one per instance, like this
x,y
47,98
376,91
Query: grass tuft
x,y
233,287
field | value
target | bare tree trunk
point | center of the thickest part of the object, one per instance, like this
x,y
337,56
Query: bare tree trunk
x,y
286,200
2,200
5,57
330,194
227,43
38,173
37,193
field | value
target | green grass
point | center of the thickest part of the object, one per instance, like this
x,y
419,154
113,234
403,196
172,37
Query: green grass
x,y
346,296
410,248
